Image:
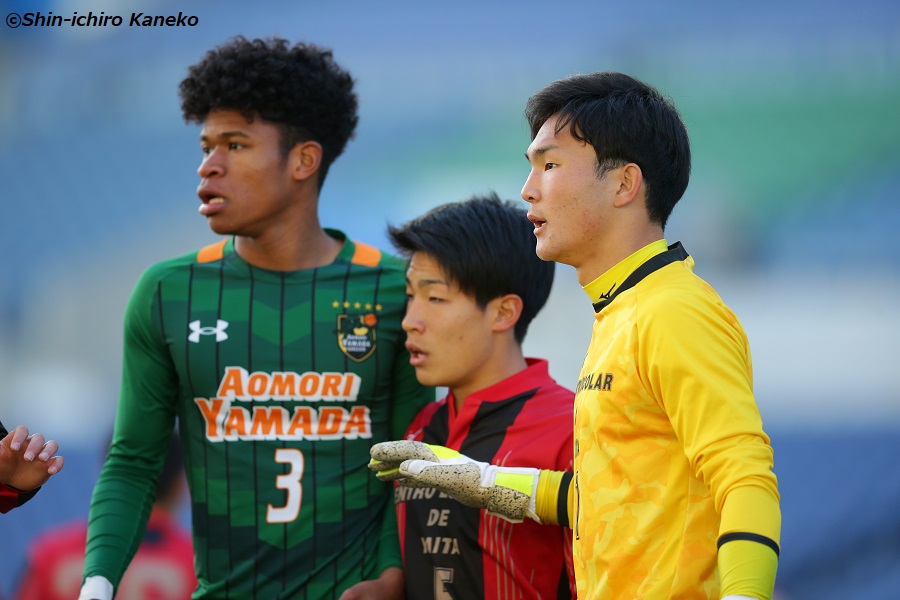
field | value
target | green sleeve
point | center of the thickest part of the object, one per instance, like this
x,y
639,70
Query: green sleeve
x,y
125,491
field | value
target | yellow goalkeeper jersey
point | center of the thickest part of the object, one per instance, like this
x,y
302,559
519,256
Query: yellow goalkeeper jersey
x,y
670,455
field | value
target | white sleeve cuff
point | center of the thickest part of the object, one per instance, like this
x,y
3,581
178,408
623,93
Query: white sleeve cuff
x,y
96,587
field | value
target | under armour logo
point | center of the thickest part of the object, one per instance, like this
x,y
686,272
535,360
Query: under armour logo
x,y
197,331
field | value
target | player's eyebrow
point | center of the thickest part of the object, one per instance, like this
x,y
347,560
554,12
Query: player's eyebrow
x,y
224,135
539,151
426,282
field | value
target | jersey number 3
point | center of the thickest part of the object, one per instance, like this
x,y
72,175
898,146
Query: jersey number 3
x,y
289,482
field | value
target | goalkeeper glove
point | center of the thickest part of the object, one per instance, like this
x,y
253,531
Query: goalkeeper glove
x,y
507,492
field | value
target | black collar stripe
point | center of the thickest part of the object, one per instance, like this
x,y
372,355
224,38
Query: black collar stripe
x,y
675,252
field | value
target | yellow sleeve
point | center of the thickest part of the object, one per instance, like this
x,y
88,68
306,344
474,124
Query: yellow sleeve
x,y
747,568
701,372
555,495
749,535
752,509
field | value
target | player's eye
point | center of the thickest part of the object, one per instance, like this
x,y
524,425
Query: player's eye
x,y
549,165
235,146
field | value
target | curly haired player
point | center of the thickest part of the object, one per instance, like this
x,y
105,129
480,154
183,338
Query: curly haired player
x,y
279,350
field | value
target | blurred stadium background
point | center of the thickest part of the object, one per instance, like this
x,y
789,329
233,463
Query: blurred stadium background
x,y
792,213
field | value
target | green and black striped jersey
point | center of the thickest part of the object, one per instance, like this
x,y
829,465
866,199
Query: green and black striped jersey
x,y
280,382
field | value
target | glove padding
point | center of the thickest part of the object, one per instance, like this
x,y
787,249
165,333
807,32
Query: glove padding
x,y
507,492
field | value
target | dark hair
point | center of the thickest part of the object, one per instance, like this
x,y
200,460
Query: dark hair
x,y
625,120
486,246
298,88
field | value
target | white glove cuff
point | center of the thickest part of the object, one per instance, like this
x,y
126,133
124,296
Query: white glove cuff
x,y
96,587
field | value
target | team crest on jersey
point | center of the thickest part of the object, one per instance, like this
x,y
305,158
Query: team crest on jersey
x,y
356,335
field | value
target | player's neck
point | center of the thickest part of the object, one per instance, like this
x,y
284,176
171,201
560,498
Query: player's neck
x,y
293,244
618,247
503,364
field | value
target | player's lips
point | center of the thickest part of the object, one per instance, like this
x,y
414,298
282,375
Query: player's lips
x,y
537,222
211,202
416,355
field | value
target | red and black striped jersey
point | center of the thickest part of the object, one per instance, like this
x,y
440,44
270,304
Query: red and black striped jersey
x,y
454,551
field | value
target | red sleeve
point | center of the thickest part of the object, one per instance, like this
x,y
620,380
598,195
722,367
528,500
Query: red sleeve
x,y
9,498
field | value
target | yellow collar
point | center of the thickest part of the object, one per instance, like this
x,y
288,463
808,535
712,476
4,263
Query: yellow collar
x,y
606,284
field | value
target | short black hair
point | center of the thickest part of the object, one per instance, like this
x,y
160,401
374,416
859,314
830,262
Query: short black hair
x,y
487,247
626,121
298,88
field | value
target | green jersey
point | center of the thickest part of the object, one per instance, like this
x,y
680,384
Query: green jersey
x,y
280,382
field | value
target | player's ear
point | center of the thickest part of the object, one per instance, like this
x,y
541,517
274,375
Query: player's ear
x,y
507,309
630,179
304,159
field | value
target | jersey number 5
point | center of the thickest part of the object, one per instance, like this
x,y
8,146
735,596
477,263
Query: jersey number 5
x,y
289,482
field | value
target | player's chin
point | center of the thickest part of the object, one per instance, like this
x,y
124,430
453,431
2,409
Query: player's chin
x,y
426,377
545,251
222,227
